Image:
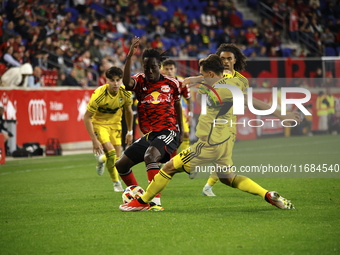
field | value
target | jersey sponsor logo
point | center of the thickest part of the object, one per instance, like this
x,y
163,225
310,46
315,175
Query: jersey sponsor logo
x,y
37,112
108,110
161,137
10,108
155,98
165,88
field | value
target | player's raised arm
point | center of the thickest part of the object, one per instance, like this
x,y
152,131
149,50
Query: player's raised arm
x,y
127,80
192,80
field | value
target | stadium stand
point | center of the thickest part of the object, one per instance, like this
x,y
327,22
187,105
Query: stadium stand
x,y
73,28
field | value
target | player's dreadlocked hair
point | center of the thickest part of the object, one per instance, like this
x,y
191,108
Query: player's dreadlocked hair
x,y
153,53
239,56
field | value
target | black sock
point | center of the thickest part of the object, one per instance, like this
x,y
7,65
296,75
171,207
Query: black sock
x,y
140,200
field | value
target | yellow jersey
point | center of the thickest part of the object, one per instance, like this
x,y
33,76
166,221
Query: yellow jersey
x,y
107,108
215,127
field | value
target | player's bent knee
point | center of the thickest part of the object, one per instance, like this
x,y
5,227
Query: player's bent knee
x,y
152,154
226,178
123,164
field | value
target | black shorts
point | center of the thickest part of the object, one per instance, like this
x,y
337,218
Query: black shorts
x,y
166,141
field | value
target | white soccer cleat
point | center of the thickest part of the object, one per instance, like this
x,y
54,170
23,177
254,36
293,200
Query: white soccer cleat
x,y
117,186
207,191
280,202
100,168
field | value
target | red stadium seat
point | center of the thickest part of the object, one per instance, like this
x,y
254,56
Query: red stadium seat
x,y
50,77
3,68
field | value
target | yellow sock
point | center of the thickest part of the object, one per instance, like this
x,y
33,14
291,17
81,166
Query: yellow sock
x,y
212,181
110,165
184,145
159,182
245,184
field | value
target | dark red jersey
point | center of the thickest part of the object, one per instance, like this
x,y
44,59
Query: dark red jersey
x,y
185,92
156,103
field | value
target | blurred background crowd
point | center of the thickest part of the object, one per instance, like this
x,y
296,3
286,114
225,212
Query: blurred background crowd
x,y
73,42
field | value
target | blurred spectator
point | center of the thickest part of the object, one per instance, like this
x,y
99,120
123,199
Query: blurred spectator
x,y
61,78
251,37
327,38
317,43
322,112
318,78
6,44
272,52
205,38
302,53
22,27
96,55
17,76
8,31
158,5
173,52
194,26
235,20
293,25
263,52
56,60
241,39
179,16
210,8
8,58
157,43
79,71
36,79
225,19
71,80
145,8
208,19
225,36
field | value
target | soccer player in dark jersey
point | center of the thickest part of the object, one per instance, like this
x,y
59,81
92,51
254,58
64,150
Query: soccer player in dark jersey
x,y
159,115
214,144
169,68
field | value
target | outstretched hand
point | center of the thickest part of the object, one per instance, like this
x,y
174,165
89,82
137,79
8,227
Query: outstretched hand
x,y
134,46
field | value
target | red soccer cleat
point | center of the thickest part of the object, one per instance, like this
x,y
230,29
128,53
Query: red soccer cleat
x,y
134,206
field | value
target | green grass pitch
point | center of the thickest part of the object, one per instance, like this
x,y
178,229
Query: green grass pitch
x,y
58,205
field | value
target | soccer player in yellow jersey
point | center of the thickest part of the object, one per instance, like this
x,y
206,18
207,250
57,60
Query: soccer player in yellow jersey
x,y
234,62
214,144
169,68
103,119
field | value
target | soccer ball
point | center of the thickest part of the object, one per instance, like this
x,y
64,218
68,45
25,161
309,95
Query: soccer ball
x,y
132,192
